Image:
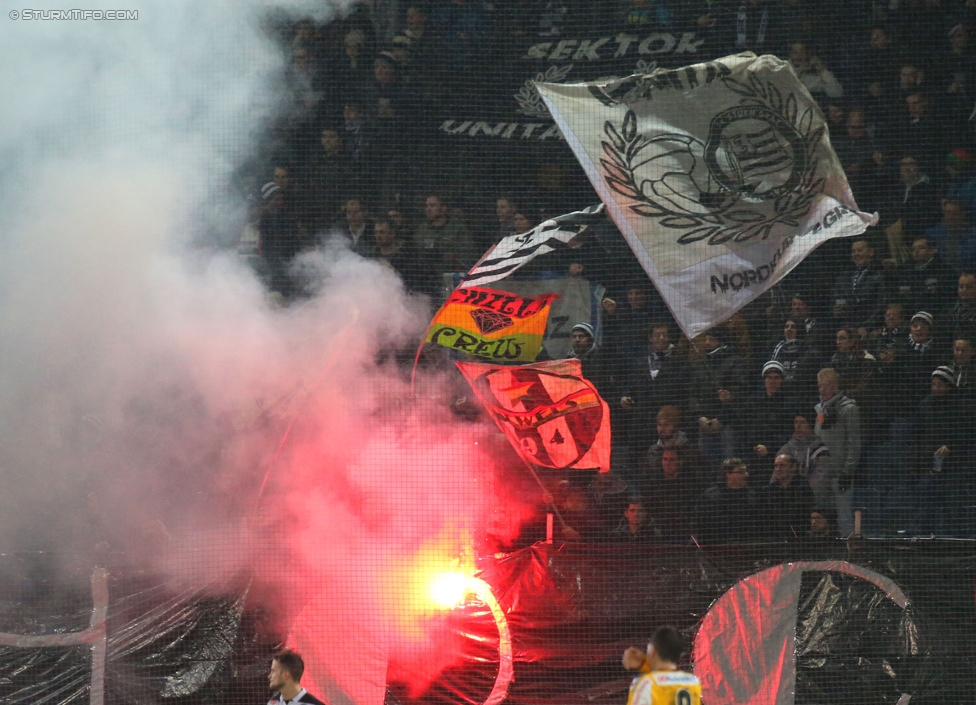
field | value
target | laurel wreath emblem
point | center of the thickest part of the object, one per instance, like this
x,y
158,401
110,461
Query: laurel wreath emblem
x,y
686,192
528,98
643,66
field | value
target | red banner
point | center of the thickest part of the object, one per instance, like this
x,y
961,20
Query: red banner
x,y
552,416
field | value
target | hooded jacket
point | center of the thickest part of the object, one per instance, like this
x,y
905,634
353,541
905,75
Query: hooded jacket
x,y
810,452
839,427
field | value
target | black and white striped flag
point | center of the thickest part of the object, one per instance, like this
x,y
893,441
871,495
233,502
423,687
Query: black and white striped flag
x,y
511,252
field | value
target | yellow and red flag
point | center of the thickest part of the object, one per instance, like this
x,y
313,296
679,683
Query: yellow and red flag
x,y
497,325
552,416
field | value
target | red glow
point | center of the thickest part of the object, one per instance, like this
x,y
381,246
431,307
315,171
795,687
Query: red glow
x,y
384,527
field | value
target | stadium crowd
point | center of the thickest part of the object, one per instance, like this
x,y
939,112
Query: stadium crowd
x,y
847,387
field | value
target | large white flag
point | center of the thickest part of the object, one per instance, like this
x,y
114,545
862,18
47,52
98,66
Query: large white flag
x,y
513,251
720,175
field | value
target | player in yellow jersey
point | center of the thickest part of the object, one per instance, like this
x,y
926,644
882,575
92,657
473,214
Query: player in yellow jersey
x,y
660,682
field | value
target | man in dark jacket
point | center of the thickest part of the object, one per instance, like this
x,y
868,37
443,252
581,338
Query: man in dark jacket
x,y
926,283
717,395
963,352
770,418
729,511
944,457
656,377
959,318
627,327
787,501
906,368
859,292
672,489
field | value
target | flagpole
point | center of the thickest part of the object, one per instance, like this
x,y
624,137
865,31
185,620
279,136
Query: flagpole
x,y
330,361
423,340
416,362
555,509
471,272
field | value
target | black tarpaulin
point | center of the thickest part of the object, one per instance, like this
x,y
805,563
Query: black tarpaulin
x,y
816,622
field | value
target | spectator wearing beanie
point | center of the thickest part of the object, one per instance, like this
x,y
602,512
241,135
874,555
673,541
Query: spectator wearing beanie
x,y
906,370
943,432
584,348
769,423
944,458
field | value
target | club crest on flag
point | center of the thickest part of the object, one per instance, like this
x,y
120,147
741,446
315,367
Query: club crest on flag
x,y
497,325
720,176
490,321
756,152
551,415
705,189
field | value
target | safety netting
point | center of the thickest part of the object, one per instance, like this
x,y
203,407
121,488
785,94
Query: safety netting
x,y
458,346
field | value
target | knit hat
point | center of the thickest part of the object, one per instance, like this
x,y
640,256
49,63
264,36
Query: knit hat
x,y
385,57
773,366
269,190
586,328
945,374
923,315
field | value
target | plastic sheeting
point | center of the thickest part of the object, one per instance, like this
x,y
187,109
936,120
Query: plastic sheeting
x,y
771,637
122,638
804,623
807,623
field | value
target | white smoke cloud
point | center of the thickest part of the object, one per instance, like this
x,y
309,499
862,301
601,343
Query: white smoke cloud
x,y
147,382
117,133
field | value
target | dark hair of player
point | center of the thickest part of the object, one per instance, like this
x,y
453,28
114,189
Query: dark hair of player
x,y
668,644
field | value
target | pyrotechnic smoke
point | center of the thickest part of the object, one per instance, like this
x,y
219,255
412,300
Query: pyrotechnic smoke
x,y
147,382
